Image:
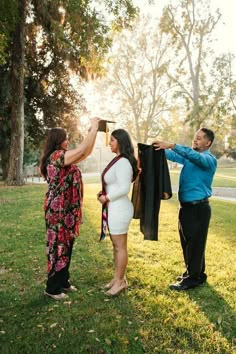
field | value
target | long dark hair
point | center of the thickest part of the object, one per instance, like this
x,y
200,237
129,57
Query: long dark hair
x,y
126,148
53,142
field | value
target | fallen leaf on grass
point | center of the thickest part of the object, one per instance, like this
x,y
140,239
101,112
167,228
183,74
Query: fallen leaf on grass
x,y
166,320
108,341
2,332
91,331
3,270
53,325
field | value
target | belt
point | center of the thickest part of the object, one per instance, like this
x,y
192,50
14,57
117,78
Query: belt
x,y
195,202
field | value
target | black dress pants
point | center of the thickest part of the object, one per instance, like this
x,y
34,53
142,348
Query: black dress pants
x,y
59,280
193,228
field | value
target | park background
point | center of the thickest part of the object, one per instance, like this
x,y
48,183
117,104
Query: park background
x,y
160,69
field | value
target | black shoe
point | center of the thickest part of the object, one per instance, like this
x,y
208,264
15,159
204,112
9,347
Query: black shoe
x,y
181,277
203,278
185,284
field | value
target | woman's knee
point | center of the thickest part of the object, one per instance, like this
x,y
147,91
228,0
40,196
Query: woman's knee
x,y
119,241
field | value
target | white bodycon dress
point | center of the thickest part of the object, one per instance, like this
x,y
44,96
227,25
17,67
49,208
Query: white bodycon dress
x,y
118,181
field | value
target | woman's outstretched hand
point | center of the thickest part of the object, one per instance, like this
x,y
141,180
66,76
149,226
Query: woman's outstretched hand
x,y
94,122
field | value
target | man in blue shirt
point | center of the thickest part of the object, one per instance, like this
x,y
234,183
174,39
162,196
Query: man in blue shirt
x,y
199,166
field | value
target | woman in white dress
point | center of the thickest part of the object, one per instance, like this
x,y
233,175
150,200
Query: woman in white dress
x,y
117,178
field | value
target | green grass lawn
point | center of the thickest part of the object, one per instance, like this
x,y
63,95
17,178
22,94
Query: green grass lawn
x,y
148,318
224,177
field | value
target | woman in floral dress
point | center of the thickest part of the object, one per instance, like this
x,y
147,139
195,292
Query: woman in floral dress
x,y
63,204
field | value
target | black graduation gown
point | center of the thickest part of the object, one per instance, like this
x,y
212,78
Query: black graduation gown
x,y
152,185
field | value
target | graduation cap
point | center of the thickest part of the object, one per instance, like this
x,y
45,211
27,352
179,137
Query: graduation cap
x,y
103,127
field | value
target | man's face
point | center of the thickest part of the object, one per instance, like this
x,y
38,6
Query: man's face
x,y
200,141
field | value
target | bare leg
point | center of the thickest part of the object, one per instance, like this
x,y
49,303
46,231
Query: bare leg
x,y
112,282
120,263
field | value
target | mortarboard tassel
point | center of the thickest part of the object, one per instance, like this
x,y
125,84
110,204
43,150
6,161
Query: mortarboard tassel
x,y
103,127
106,134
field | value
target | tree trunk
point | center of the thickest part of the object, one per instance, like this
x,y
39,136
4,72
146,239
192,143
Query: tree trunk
x,y
15,171
4,159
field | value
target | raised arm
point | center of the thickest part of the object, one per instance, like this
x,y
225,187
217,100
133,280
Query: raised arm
x,y
170,154
202,160
85,148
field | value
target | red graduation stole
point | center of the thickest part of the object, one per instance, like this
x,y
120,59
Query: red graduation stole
x,y
104,219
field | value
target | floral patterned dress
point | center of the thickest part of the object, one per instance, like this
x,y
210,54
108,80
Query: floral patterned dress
x,y
63,204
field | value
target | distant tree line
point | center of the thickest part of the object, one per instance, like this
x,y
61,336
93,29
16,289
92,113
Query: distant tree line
x,y
155,76
166,80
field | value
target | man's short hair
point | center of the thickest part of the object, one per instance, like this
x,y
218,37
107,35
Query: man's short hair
x,y
209,133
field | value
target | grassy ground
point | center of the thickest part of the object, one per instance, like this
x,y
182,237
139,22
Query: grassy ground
x,y
224,177
149,318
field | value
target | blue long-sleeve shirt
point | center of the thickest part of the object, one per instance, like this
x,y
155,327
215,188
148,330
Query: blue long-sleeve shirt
x,y
197,173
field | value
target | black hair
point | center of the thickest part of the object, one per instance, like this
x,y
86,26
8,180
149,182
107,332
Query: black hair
x,y
53,142
126,148
209,133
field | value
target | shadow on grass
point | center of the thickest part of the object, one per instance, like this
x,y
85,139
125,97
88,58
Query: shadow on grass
x,y
148,319
219,313
87,322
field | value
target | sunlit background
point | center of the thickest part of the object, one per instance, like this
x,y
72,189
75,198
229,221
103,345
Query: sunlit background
x,y
105,96
160,72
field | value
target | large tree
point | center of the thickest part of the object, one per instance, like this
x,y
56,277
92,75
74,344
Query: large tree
x,y
204,80
8,19
231,138
5,132
190,24
15,172
136,79
63,36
